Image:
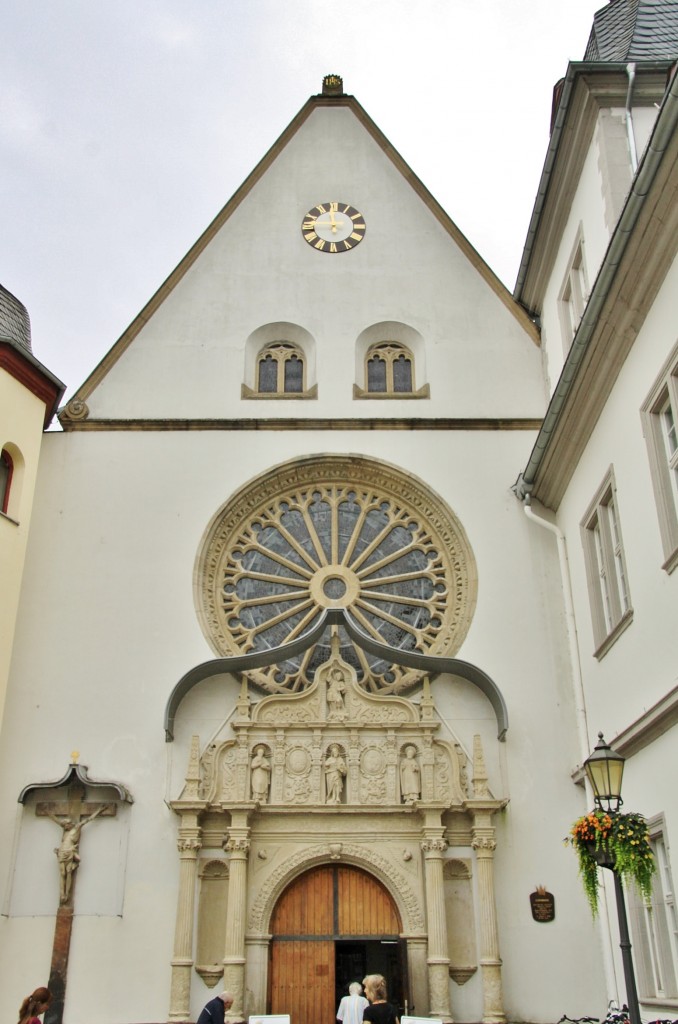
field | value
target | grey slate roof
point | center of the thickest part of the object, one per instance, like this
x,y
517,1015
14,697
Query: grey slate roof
x,y
634,30
15,325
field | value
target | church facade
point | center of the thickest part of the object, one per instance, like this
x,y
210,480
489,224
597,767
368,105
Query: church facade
x,y
307,690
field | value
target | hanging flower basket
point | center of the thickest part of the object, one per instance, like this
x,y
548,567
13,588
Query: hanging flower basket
x,y
616,841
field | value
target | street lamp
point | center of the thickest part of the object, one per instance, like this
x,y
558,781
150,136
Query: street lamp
x,y
604,769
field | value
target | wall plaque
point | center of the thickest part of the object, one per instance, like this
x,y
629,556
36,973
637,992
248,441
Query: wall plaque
x,y
543,905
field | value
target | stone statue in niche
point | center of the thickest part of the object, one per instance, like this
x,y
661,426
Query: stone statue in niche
x,y
67,851
335,770
260,775
336,688
410,776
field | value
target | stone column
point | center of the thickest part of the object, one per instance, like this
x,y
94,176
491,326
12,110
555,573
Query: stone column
x,y
484,844
182,960
256,974
416,965
433,846
237,845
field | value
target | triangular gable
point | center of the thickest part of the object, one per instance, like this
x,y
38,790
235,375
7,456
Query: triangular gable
x,y
237,198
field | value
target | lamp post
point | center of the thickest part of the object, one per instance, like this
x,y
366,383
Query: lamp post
x,y
604,769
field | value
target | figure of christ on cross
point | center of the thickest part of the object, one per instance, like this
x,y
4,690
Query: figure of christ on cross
x,y
71,817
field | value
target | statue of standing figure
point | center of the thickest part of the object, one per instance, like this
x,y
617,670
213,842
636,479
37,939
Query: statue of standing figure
x,y
336,688
410,776
67,851
335,770
260,775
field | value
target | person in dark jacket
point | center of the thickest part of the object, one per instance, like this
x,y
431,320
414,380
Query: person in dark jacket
x,y
213,1012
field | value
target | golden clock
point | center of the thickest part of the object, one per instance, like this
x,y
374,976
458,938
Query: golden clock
x,y
333,227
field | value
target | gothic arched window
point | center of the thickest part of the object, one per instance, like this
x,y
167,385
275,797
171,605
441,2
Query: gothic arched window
x,y
280,370
389,373
336,532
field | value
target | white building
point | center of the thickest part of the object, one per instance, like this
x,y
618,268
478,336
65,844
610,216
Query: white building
x,y
308,437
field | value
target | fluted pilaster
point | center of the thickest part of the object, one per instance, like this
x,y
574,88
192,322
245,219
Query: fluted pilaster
x,y
433,846
182,960
484,845
237,845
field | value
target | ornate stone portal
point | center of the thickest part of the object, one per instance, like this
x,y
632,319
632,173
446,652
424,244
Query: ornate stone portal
x,y
295,782
335,584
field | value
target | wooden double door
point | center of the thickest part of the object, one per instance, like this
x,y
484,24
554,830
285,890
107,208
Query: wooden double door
x,y
333,925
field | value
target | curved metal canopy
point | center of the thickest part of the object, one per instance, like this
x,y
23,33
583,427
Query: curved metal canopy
x,y
337,617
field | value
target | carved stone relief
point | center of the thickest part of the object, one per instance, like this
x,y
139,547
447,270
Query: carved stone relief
x,y
298,765
372,775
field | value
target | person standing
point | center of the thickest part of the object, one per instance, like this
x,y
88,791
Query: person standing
x,y
213,1012
34,1005
352,1006
379,1011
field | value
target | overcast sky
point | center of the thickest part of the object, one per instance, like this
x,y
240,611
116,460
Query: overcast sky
x,y
125,125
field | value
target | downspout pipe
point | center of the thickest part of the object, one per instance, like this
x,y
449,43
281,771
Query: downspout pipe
x,y
580,709
571,627
630,134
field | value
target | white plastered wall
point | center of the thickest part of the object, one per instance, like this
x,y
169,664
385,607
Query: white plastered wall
x,y
640,667
189,360
110,580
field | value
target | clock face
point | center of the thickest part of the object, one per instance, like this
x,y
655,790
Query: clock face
x,y
333,227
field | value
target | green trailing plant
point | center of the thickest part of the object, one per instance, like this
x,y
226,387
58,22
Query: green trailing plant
x,y
615,840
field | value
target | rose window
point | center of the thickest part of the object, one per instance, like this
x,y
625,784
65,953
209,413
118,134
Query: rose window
x,y
336,533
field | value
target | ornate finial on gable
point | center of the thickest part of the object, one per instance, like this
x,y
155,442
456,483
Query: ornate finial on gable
x,y
480,787
243,702
426,705
333,85
193,771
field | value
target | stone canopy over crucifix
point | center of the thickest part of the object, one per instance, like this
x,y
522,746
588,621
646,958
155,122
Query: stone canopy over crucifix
x,y
71,815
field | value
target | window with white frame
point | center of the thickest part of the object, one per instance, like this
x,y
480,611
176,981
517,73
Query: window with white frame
x,y
654,924
660,420
606,571
573,293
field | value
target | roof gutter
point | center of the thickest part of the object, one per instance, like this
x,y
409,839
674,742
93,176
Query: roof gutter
x,y
665,127
554,143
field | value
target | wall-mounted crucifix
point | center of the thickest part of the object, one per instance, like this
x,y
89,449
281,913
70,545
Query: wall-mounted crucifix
x,y
71,815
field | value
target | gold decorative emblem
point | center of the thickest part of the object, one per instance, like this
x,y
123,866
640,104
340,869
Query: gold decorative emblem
x,y
336,532
333,227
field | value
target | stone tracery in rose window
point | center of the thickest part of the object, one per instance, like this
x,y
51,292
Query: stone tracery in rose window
x,y
336,532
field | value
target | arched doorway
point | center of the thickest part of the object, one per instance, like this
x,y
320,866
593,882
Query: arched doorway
x,y
331,926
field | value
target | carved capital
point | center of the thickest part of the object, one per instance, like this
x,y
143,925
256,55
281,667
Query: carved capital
x,y
237,844
434,845
188,844
487,843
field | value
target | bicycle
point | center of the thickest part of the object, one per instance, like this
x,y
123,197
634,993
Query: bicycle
x,y
616,1015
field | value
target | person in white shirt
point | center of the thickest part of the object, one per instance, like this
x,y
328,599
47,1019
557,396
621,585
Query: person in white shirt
x,y
352,1006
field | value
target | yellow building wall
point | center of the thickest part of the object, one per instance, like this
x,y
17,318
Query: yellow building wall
x,y
22,417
